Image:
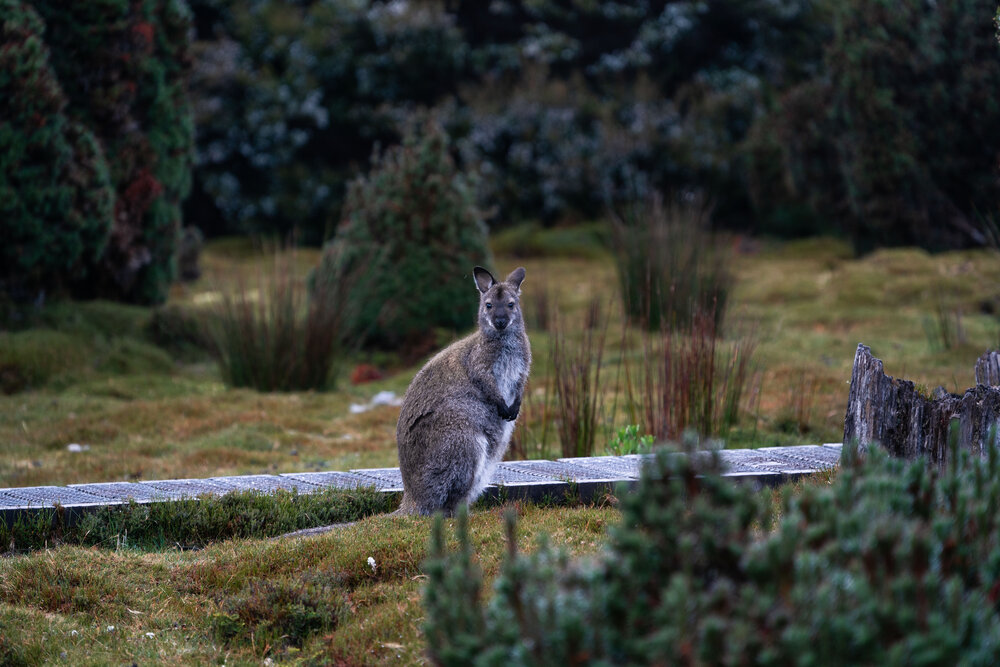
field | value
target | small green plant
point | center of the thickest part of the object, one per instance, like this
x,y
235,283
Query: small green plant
x,y
628,441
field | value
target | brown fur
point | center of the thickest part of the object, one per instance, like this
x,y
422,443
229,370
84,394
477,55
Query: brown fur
x,y
459,411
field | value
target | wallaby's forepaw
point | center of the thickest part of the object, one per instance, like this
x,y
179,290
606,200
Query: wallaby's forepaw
x,y
510,412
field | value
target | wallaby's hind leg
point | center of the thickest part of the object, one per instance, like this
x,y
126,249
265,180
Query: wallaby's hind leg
x,y
449,481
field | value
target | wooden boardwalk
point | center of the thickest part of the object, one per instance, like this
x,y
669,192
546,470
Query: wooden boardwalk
x,y
768,466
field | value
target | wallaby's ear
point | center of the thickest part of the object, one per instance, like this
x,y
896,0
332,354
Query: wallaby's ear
x,y
484,279
516,277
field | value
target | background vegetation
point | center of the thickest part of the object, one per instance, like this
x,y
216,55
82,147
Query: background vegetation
x,y
348,163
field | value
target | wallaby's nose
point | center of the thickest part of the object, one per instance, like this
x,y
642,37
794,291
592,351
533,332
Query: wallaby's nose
x,y
500,322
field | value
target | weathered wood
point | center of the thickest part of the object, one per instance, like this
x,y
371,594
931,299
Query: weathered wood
x,y
893,413
988,369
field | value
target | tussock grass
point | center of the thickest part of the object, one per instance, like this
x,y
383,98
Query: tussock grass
x,y
670,266
690,378
279,335
576,372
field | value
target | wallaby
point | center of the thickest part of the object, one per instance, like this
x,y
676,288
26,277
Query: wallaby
x,y
458,413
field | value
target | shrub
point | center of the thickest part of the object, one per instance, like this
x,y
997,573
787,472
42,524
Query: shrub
x,y
895,139
280,336
690,378
627,440
123,66
410,235
670,267
56,197
291,99
892,562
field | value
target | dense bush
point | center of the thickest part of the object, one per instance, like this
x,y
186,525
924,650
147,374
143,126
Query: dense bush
x,y
123,66
891,563
897,138
56,198
291,98
794,117
560,106
410,235
114,86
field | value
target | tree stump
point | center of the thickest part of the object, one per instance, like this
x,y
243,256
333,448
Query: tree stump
x,y
907,424
988,369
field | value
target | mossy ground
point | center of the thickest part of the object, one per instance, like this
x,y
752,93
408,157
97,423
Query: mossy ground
x,y
103,606
92,374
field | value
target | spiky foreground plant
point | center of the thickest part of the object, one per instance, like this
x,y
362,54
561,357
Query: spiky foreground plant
x,y
891,563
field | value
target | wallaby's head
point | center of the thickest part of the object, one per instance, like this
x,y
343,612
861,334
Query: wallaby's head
x,y
499,303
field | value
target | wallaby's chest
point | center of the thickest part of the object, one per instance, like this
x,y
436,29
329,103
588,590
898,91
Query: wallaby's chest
x,y
508,369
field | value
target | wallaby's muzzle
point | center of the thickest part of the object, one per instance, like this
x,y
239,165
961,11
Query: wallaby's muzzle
x,y
500,322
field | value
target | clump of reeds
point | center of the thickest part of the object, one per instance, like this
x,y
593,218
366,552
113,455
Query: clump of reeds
x,y
576,371
278,335
670,265
689,378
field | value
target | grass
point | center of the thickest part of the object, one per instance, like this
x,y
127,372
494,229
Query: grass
x,y
670,265
279,336
150,410
195,522
309,600
576,372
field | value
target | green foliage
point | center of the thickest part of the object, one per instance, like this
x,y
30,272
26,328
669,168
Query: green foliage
x,y
455,623
291,99
280,336
670,266
114,85
628,441
563,106
123,67
893,562
410,235
896,139
56,196
193,522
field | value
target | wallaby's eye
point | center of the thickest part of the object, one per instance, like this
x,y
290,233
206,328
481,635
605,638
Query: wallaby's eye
x,y
488,306
510,305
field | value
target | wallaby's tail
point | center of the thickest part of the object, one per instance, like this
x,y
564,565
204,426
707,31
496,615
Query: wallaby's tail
x,y
407,506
